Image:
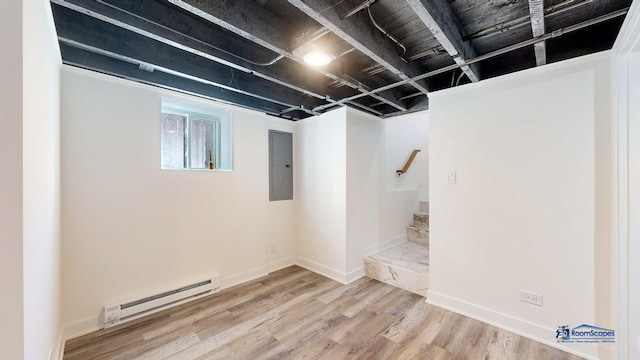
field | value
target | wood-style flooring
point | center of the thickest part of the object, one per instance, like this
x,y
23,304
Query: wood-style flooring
x,y
297,314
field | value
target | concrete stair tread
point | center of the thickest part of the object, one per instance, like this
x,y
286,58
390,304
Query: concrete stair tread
x,y
408,255
425,227
421,213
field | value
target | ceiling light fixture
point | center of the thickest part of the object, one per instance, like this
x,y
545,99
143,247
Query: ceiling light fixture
x,y
317,58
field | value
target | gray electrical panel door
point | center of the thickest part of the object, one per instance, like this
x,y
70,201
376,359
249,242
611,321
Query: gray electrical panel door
x,y
280,166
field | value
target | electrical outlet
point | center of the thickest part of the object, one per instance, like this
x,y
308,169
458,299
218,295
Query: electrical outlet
x,y
530,297
273,248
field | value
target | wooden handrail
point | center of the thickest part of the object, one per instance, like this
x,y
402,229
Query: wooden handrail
x,y
406,166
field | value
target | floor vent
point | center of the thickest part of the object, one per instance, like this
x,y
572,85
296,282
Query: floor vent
x,y
117,314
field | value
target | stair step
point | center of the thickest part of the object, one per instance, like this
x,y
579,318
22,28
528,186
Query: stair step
x,y
405,266
421,219
424,206
418,235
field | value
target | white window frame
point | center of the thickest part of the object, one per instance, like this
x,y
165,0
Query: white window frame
x,y
222,149
215,135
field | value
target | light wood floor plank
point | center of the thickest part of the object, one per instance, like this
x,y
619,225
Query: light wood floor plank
x,y
296,314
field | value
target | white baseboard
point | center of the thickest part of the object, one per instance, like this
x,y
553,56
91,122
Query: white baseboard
x,y
384,245
58,353
244,277
281,264
355,274
322,270
512,324
92,324
79,328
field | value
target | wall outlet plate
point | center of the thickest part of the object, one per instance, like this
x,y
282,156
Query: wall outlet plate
x,y
530,297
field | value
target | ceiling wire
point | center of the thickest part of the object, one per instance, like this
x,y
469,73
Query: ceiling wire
x,y
387,34
233,79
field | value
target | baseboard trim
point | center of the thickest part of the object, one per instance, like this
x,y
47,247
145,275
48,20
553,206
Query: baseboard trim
x,y
355,274
509,323
244,277
79,328
59,351
322,270
384,245
281,264
92,324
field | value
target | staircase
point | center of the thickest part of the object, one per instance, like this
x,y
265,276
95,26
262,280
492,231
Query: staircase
x,y
406,265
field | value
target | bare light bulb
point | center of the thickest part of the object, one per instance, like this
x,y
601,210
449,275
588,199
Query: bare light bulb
x,y
317,58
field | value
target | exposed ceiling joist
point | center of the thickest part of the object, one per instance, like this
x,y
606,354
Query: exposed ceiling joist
x,y
193,43
507,49
250,53
85,30
361,34
536,9
254,23
245,18
129,70
440,19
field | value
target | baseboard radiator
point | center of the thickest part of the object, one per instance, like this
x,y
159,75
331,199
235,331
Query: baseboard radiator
x,y
119,313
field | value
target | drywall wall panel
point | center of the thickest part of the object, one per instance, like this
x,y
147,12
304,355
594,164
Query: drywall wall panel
x,y
41,181
365,161
320,190
131,229
531,207
11,302
404,134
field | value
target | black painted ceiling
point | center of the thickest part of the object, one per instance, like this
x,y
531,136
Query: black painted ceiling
x,y
387,54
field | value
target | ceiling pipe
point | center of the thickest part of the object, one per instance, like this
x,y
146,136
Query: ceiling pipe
x,y
177,45
267,63
206,55
145,66
357,9
388,35
495,53
300,108
525,20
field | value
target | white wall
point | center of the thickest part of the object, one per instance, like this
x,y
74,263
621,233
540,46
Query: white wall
x,y
400,194
29,191
404,134
626,94
350,202
41,181
320,178
131,229
365,163
532,205
634,205
11,301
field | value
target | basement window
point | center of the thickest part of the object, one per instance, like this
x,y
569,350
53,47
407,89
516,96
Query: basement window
x,y
195,137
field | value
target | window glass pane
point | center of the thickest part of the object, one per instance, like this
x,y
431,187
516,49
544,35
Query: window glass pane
x,y
173,141
202,150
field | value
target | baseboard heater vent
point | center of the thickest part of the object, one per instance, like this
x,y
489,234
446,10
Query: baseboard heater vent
x,y
117,314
